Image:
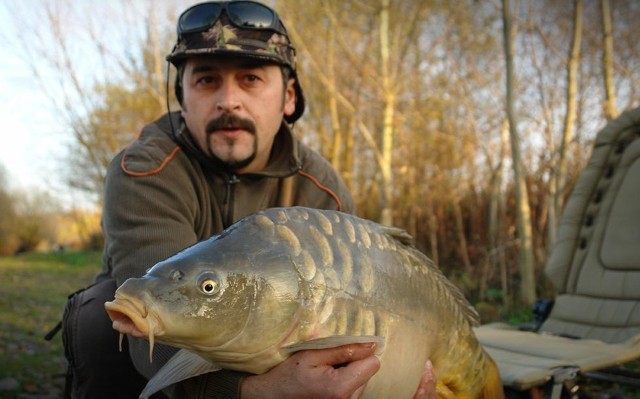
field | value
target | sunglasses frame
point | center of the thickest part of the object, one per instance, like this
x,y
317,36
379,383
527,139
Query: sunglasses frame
x,y
276,24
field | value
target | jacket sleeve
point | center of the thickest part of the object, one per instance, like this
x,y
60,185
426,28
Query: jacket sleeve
x,y
147,218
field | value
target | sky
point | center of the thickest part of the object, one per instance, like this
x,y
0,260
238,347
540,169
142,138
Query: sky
x,y
31,137
33,152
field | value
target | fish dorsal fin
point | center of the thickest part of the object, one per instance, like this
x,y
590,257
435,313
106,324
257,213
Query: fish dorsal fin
x,y
181,366
419,258
335,341
400,235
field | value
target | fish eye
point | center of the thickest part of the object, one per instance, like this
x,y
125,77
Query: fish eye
x,y
209,283
209,286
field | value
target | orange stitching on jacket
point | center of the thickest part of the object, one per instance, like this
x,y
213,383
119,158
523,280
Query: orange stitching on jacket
x,y
151,172
323,188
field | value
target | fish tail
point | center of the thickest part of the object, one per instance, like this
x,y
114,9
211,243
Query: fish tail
x,y
492,388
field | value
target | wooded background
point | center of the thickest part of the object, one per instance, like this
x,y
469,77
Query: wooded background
x,y
465,122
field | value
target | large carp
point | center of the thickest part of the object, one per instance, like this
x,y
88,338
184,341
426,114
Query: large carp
x,y
284,277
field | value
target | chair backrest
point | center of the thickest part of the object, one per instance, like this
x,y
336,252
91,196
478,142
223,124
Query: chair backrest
x,y
595,263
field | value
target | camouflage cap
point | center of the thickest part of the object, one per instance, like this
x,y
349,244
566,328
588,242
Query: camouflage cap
x,y
224,38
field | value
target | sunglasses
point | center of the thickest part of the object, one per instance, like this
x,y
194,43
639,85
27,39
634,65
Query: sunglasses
x,y
243,14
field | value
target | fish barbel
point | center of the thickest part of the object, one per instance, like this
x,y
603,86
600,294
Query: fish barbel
x,y
288,279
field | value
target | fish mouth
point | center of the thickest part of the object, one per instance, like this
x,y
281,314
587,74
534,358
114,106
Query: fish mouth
x,y
133,318
128,317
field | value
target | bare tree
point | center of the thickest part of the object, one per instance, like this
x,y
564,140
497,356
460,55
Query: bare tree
x,y
610,106
104,111
495,248
526,261
389,101
570,113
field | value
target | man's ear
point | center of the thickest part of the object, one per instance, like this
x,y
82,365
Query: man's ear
x,y
289,98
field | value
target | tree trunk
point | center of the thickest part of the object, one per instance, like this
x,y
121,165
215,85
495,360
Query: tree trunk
x,y
462,240
389,100
610,106
495,249
432,222
526,261
333,104
570,117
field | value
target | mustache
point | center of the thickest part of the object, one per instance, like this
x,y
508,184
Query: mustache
x,y
227,121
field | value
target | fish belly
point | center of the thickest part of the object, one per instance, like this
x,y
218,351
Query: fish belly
x,y
401,364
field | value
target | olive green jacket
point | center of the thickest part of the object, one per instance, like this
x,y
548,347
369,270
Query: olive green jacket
x,y
162,195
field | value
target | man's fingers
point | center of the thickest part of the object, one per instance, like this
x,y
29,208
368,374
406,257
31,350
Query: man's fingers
x,y
427,387
352,364
357,373
345,354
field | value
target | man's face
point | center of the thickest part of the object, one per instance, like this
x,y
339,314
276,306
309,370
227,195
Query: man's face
x,y
233,107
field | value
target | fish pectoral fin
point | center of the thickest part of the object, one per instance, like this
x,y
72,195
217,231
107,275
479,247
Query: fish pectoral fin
x,y
181,366
335,341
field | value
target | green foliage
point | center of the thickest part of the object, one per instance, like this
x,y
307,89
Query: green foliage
x,y
518,315
29,221
7,215
34,290
494,294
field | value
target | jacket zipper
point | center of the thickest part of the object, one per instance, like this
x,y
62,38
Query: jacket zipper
x,y
229,199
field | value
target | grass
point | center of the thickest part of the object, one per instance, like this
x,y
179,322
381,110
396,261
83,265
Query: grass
x,y
33,292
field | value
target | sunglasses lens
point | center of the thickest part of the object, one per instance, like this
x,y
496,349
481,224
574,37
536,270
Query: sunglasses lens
x,y
199,17
250,15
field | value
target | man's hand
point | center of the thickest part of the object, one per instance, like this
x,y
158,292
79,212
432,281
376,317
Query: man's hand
x,y
340,372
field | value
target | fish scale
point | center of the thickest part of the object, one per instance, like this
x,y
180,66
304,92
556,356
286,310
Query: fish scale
x,y
294,278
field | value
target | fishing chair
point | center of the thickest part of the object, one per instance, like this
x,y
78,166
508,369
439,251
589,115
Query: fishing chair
x,y
593,328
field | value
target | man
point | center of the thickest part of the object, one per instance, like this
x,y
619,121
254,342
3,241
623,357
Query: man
x,y
190,174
